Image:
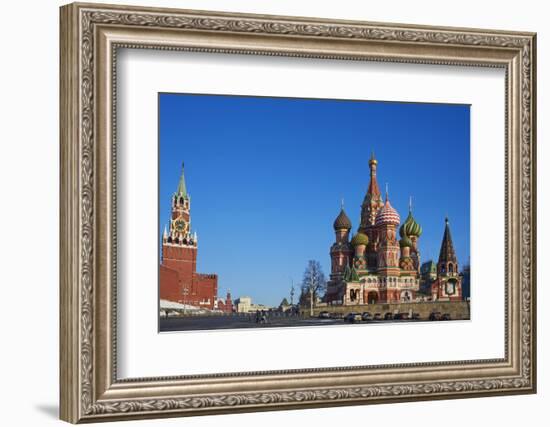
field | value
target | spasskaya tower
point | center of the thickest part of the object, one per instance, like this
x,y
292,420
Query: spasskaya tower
x,y
179,280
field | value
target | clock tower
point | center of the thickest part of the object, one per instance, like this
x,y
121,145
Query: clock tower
x,y
180,219
179,280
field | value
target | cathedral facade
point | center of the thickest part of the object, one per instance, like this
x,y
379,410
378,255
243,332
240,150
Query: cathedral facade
x,y
381,262
178,277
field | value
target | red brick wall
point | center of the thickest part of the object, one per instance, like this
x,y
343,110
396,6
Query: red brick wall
x,y
205,288
178,272
183,260
170,288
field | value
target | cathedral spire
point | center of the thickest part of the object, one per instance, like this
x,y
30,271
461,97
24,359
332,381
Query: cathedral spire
x,y
182,189
372,201
447,252
374,190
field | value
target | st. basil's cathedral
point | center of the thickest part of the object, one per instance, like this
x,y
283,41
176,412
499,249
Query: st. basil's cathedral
x,y
375,267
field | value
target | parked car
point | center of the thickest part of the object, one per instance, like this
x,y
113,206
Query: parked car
x,y
435,315
324,315
446,316
397,316
336,315
404,316
388,316
366,316
415,316
353,318
377,316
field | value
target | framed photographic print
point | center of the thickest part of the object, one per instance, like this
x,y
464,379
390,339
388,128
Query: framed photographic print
x,y
264,212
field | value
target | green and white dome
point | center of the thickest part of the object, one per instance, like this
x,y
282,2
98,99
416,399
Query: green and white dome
x,y
410,227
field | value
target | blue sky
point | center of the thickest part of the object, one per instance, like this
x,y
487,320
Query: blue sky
x,y
266,177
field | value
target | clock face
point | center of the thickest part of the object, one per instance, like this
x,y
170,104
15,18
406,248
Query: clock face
x,y
450,288
180,225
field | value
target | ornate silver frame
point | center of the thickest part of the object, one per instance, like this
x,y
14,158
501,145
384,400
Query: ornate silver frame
x,y
90,36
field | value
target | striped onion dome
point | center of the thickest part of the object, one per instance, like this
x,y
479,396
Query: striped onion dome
x,y
410,227
342,222
387,215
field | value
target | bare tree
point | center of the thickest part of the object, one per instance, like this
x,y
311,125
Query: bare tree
x,y
313,283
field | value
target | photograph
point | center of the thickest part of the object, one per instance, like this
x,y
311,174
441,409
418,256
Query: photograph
x,y
295,212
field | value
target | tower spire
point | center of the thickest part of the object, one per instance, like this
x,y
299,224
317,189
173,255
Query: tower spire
x,y
373,191
372,159
410,204
387,197
372,201
182,189
447,252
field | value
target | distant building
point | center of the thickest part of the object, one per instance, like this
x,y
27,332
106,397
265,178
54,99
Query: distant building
x,y
227,305
244,305
179,280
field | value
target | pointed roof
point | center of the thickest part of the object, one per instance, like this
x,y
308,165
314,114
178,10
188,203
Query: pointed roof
x,y
182,189
447,252
342,221
373,189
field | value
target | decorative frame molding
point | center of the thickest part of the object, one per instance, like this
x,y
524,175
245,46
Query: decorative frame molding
x,y
90,36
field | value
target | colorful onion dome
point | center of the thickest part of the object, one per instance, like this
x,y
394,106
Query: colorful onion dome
x,y
387,215
342,222
360,239
410,227
405,242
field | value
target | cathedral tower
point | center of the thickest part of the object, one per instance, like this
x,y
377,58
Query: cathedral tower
x,y
448,285
372,203
387,221
412,230
340,251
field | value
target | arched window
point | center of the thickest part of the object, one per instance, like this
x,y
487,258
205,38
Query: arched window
x,y
450,268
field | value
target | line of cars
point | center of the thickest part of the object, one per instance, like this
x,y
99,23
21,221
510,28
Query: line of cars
x,y
356,317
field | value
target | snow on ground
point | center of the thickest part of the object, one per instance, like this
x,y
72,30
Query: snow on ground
x,y
175,308
165,304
